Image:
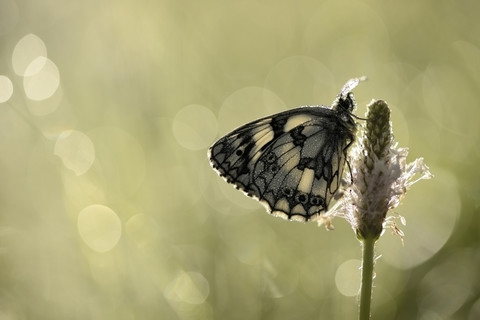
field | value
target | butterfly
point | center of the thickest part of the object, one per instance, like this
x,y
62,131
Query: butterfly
x,y
292,161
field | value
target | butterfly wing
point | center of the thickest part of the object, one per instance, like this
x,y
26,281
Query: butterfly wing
x,y
291,162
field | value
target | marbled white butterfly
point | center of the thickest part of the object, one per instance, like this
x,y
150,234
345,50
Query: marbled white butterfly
x,y
292,162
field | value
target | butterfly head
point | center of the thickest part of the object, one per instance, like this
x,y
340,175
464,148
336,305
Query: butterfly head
x,y
345,103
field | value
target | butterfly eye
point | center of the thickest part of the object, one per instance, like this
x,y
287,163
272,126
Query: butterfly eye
x,y
301,197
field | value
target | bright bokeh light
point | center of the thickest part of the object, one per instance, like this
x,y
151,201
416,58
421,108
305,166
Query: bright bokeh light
x,y
99,227
28,49
448,286
194,127
430,222
76,151
442,107
35,66
247,104
314,80
43,81
6,88
142,229
347,278
188,287
45,107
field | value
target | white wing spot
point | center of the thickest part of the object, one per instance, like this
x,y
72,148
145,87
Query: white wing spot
x,y
298,218
282,205
305,184
295,121
261,138
299,209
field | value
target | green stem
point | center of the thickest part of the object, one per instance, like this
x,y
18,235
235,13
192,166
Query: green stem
x,y
368,246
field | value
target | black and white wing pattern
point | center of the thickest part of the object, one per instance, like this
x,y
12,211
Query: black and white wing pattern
x,y
293,161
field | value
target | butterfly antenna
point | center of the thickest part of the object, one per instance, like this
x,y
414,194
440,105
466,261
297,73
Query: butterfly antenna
x,y
350,85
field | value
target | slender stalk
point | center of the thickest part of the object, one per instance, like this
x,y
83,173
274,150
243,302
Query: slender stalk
x,y
368,246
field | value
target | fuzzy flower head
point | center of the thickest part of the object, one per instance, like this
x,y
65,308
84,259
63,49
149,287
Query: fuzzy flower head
x,y
378,178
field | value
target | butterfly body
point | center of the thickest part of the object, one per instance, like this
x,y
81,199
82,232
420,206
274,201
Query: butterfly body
x,y
293,161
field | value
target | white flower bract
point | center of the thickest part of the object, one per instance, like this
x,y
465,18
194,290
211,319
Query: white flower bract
x,y
378,178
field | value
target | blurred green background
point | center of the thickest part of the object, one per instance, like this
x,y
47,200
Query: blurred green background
x,y
109,208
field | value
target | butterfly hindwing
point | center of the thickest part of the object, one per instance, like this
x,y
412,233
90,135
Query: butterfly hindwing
x,y
292,162
298,173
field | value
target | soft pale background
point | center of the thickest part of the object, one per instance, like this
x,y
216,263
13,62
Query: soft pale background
x,y
108,206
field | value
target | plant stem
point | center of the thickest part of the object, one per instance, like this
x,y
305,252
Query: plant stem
x,y
368,246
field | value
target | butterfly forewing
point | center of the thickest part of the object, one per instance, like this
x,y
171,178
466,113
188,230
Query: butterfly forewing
x,y
292,162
